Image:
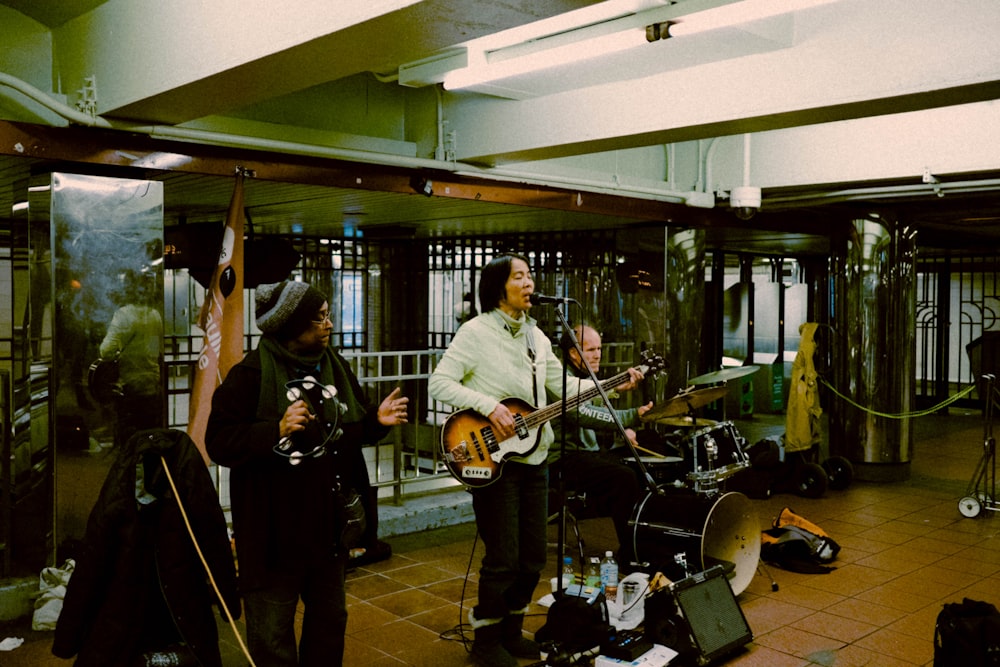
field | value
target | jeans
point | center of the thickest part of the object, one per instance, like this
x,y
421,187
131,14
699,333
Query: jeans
x,y
270,618
511,515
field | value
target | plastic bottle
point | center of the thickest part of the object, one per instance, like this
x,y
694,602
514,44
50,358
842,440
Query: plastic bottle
x,y
568,576
609,576
592,575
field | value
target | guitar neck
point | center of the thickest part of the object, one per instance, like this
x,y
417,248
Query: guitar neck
x,y
542,415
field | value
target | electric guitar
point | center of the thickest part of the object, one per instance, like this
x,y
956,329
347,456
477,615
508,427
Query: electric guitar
x,y
471,450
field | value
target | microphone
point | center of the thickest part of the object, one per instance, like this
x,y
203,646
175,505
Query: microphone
x,y
542,300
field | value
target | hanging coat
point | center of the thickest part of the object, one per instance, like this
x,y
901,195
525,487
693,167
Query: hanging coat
x,y
804,411
138,572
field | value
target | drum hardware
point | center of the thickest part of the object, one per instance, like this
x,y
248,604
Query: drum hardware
x,y
724,375
709,445
682,562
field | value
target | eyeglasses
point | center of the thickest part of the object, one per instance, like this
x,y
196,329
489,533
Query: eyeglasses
x,y
323,318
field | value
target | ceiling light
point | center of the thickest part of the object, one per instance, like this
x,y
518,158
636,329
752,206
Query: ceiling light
x,y
492,61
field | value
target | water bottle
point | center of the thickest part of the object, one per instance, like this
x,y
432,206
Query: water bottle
x,y
609,576
568,577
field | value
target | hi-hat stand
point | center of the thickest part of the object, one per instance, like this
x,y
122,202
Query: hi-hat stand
x,y
982,491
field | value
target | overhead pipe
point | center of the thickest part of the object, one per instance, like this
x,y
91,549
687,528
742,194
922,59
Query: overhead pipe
x,y
884,192
59,108
8,83
313,150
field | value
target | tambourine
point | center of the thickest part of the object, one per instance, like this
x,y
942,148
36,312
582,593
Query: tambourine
x,y
321,401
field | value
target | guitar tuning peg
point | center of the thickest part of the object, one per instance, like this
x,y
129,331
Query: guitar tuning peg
x,y
329,391
293,394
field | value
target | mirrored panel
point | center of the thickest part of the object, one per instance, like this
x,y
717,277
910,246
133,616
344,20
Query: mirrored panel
x,y
107,308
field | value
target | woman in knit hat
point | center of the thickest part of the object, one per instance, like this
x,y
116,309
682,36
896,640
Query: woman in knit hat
x,y
289,421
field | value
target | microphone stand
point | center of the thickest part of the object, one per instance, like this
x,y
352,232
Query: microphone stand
x,y
560,483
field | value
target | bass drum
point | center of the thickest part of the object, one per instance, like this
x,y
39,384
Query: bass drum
x,y
708,530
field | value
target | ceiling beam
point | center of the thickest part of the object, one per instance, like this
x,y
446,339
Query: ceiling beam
x,y
172,62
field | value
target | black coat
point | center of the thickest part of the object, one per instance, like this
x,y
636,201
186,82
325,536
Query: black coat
x,y
284,516
136,557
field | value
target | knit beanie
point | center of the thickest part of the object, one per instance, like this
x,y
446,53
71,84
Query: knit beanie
x,y
286,309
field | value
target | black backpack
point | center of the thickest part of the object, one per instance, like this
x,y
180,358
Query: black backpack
x,y
967,634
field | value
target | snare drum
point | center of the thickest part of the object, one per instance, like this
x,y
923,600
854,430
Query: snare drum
x,y
716,453
663,469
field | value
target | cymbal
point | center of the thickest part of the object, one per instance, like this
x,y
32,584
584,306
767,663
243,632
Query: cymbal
x,y
686,422
685,402
724,375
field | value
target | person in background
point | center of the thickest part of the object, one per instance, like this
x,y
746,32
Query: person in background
x,y
500,354
289,421
585,465
135,336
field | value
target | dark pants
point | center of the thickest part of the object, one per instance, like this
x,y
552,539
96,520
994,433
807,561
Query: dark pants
x,y
612,489
511,515
270,619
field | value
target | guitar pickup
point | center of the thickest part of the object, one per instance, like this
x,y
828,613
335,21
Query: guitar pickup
x,y
520,427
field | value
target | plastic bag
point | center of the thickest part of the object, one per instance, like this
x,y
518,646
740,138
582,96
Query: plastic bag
x,y
52,589
627,611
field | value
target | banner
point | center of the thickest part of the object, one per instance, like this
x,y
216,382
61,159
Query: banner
x,y
221,318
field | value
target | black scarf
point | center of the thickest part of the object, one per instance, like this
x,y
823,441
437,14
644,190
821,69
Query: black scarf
x,y
278,366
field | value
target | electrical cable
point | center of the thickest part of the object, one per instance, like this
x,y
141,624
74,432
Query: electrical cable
x,y
459,632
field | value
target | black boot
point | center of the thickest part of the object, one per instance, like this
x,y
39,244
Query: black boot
x,y
487,648
514,640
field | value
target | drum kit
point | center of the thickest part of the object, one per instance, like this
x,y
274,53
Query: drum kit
x,y
689,513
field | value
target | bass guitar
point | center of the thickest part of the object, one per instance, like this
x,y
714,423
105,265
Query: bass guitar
x,y
475,456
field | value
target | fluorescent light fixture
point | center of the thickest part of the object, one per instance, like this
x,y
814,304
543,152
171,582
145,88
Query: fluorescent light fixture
x,y
490,62
734,14
487,70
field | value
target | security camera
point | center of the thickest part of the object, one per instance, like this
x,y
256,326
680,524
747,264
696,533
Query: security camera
x,y
745,201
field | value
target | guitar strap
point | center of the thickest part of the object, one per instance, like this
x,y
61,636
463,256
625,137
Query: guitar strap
x,y
530,338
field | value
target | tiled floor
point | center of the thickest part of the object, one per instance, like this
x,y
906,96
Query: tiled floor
x,y
906,550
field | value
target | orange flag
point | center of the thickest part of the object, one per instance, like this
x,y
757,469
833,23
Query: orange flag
x,y
221,319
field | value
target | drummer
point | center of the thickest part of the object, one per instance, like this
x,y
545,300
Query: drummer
x,y
585,465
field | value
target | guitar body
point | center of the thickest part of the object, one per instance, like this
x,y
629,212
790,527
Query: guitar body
x,y
471,451
470,448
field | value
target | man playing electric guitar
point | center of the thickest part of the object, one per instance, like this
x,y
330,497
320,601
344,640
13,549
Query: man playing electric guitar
x,y
496,356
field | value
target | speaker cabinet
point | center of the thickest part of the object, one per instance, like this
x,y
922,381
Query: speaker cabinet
x,y
698,617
